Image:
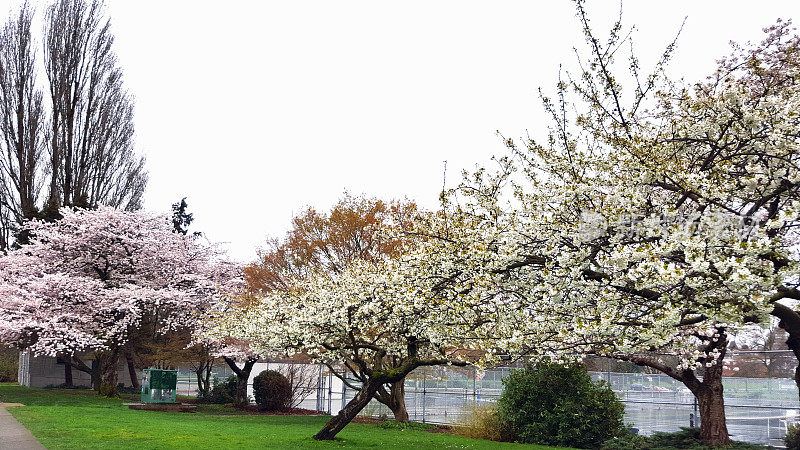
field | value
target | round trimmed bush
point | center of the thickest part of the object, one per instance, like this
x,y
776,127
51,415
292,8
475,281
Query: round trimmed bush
x,y
559,405
792,438
272,391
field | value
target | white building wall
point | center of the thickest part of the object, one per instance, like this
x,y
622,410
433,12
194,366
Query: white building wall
x,y
23,374
42,371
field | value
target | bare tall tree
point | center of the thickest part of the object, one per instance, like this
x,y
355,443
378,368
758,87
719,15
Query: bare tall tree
x,y
91,135
7,225
21,125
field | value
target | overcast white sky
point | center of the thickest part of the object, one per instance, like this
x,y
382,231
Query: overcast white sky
x,y
255,110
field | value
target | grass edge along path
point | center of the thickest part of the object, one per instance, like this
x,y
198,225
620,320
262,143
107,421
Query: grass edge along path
x,y
71,419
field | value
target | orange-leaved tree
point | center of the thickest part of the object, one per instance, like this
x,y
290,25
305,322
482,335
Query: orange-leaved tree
x,y
330,242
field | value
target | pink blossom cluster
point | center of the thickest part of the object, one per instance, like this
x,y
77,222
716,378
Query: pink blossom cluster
x,y
88,280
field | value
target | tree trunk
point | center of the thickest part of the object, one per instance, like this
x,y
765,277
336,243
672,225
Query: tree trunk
x,y
132,372
68,381
790,322
76,363
95,374
797,377
793,342
394,399
348,413
242,377
710,399
203,374
201,390
713,430
241,390
709,392
207,386
397,401
108,374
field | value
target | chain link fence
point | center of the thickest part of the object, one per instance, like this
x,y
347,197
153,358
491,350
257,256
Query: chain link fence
x,y
759,406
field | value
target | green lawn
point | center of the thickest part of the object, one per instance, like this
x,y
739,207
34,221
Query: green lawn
x,y
67,419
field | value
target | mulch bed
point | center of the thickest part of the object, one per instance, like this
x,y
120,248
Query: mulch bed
x,y
167,407
285,412
368,420
253,409
194,406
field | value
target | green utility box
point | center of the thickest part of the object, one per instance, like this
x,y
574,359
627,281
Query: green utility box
x,y
159,386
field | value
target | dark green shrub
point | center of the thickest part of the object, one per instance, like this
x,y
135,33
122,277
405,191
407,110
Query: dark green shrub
x,y
687,438
559,405
8,364
224,391
272,391
792,438
627,441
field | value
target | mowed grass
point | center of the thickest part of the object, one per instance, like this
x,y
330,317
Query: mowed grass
x,y
72,419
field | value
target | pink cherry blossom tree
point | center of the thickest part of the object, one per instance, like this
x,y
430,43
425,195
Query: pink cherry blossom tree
x,y
89,281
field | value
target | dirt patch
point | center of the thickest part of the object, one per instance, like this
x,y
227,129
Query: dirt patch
x,y
368,420
284,412
229,410
166,407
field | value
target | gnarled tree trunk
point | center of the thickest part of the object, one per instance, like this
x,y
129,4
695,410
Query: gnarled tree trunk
x,y
394,399
711,402
349,412
713,429
109,365
709,392
790,322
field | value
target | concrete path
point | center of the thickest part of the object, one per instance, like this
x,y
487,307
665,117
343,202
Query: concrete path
x,y
14,436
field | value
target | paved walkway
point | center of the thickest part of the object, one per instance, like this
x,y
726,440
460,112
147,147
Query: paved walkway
x,y
14,436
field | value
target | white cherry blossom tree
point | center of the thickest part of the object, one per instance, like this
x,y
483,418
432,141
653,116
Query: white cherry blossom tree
x,y
661,218
383,317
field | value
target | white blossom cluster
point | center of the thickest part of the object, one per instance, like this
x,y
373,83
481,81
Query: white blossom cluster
x,y
435,302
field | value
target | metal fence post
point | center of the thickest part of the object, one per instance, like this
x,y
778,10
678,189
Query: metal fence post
x,y
416,396
474,385
330,391
424,377
319,388
344,389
